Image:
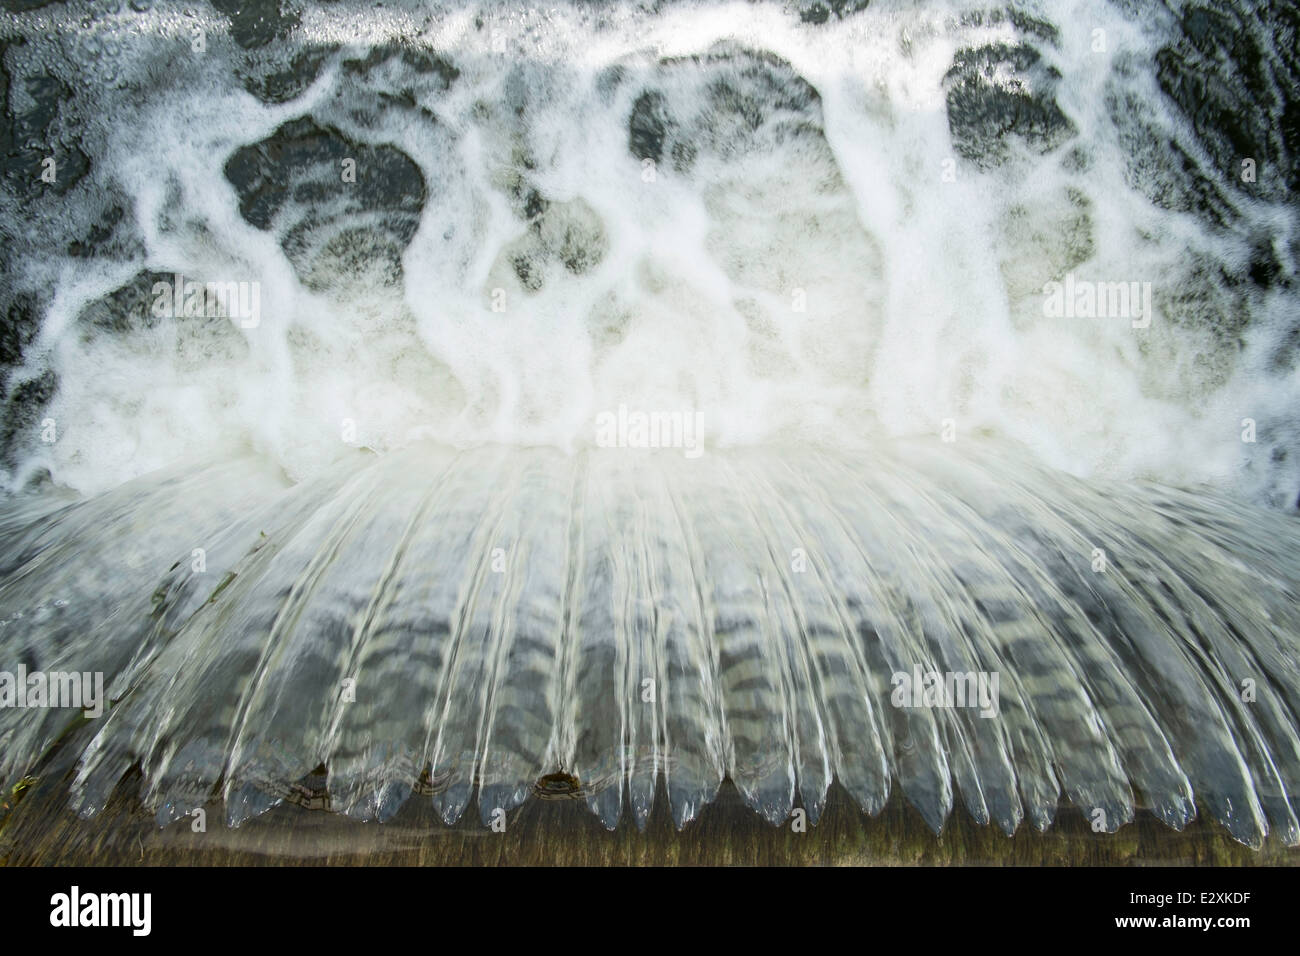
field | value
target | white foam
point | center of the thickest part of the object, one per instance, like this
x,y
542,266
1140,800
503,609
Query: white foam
x,y
923,296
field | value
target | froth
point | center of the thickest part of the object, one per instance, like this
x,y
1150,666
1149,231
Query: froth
x,y
791,246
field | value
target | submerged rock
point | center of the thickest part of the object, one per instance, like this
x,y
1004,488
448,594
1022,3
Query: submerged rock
x,y
298,183
1230,75
403,56
648,125
30,137
22,400
741,101
819,11
280,83
1002,90
255,24
569,234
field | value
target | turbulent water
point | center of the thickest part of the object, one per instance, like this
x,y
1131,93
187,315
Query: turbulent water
x,y
337,342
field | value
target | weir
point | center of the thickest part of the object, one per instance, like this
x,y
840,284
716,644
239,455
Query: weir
x,y
381,527
501,614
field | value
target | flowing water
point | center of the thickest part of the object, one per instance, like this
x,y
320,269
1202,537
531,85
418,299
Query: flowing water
x,y
466,401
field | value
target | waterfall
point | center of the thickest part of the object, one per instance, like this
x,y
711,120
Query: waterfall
x,y
629,397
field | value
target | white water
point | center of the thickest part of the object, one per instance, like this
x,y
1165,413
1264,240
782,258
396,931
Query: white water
x,y
500,607
923,297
